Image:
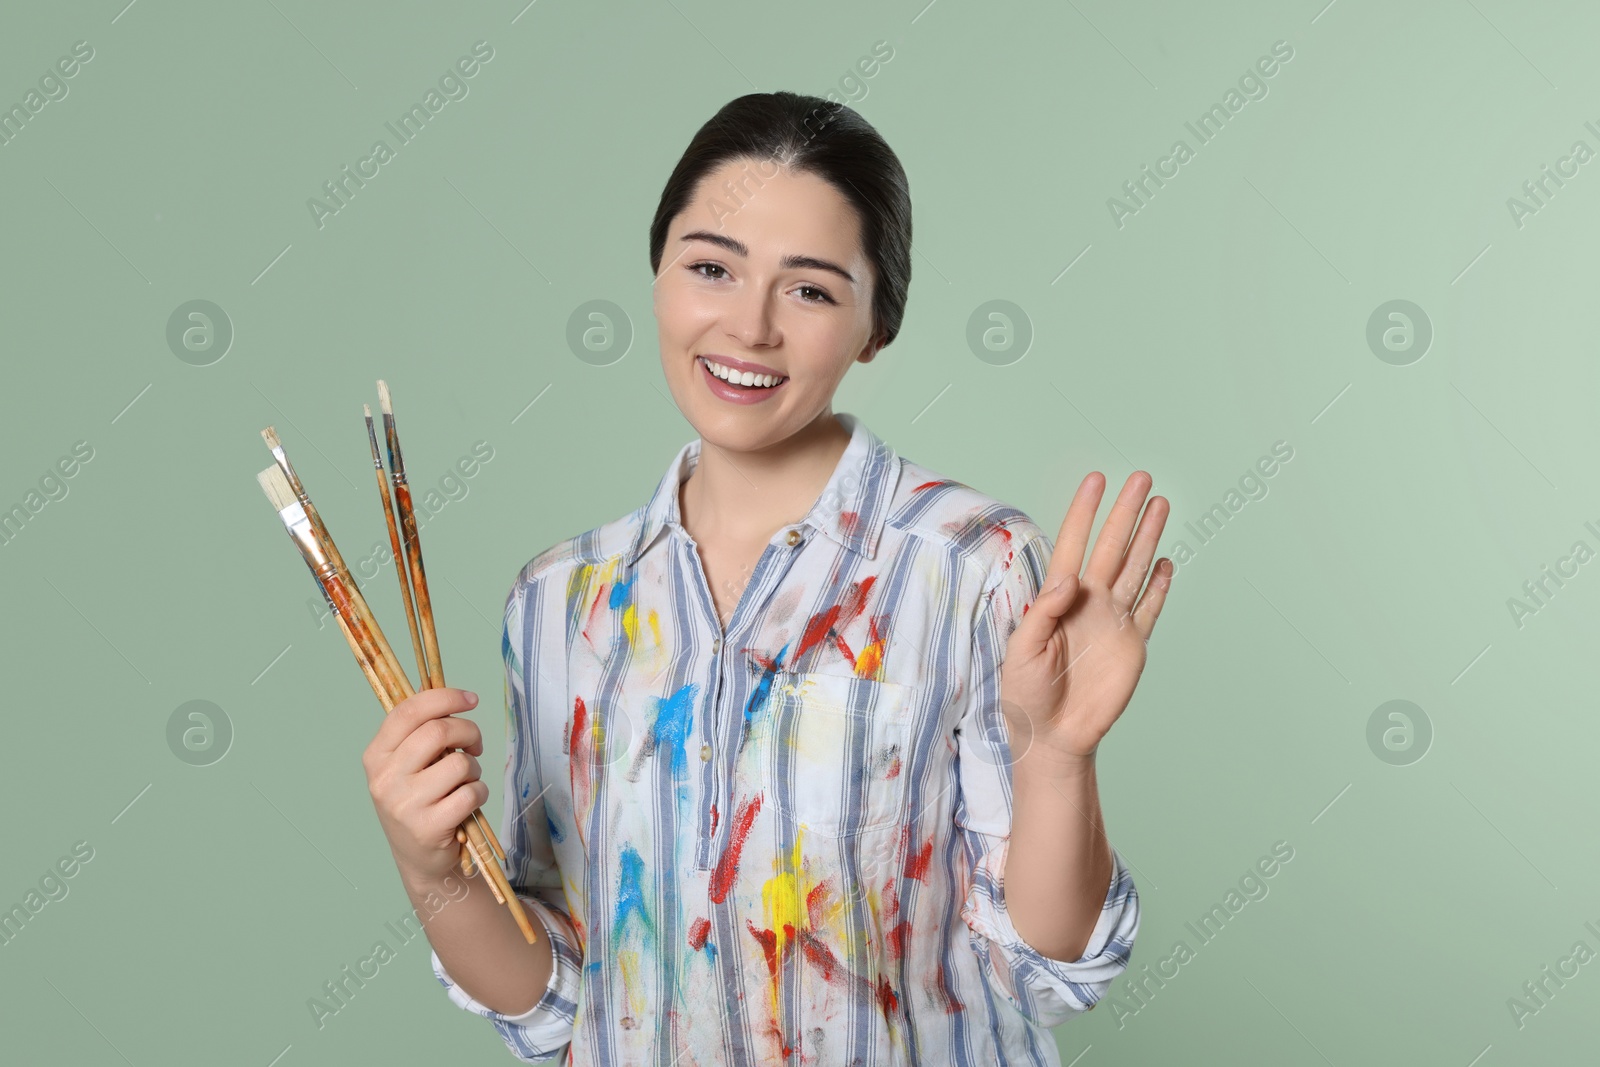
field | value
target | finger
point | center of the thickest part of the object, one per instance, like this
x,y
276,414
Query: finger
x,y
1136,564
433,784
1073,537
1149,609
1113,540
1044,614
431,740
416,709
456,808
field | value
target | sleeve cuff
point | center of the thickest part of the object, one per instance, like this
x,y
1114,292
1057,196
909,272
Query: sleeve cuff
x,y
1050,991
545,1030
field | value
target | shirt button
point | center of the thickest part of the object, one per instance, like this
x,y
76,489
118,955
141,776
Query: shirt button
x,y
716,646
793,538
705,753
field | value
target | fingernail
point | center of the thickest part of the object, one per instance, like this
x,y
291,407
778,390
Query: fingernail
x,y
472,698
1053,584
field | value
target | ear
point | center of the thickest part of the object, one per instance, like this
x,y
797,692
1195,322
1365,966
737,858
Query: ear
x,y
870,352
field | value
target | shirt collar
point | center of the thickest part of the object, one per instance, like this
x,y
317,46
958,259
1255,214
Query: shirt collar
x,y
851,509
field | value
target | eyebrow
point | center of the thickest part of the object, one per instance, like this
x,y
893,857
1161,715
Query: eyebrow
x,y
739,248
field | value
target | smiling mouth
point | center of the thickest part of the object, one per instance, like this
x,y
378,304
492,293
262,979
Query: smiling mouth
x,y
746,379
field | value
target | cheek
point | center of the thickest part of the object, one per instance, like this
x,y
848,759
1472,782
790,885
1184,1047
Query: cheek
x,y
683,316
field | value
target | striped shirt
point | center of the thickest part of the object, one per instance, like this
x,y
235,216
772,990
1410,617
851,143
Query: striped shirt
x,y
785,841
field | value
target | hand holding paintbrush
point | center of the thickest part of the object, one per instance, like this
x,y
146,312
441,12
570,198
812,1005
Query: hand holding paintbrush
x,y
478,844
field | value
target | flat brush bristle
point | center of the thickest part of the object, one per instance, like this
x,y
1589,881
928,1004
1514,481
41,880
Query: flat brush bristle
x,y
366,409
276,485
270,436
383,397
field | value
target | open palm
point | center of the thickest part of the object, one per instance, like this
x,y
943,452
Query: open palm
x,y
1072,664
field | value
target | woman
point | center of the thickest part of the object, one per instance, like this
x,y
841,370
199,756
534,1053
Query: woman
x,y
769,789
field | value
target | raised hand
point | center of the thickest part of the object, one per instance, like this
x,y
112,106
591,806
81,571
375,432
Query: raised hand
x,y
1072,664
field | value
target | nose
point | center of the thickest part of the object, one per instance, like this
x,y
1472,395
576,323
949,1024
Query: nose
x,y
752,319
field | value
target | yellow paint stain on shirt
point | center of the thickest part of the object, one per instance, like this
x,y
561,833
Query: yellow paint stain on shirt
x,y
654,620
783,896
869,663
576,907
630,623
628,962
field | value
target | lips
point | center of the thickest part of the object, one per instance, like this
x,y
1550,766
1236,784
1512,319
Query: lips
x,y
737,394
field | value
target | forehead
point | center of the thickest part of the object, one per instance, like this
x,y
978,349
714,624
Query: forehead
x,y
774,213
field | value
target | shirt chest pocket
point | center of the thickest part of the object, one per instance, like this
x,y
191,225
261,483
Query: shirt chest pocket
x,y
837,751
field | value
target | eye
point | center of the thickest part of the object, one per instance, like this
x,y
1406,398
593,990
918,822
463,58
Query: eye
x,y
695,267
823,297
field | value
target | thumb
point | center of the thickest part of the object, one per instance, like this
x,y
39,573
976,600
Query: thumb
x,y
1046,611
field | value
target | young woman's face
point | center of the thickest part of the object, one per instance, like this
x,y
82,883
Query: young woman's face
x,y
764,272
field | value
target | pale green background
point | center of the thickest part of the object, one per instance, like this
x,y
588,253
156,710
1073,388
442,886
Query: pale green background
x,y
1228,314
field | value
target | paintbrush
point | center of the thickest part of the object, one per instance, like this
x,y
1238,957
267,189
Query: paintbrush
x,y
362,611
397,551
405,589
408,526
368,645
419,578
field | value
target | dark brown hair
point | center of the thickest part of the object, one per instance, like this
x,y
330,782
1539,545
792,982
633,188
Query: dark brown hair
x,y
809,134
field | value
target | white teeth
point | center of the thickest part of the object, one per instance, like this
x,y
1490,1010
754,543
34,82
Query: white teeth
x,y
728,374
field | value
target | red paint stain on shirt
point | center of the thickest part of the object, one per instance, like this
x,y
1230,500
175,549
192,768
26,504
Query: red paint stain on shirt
x,y
580,747
888,1000
768,939
942,993
827,623
698,931
814,902
896,938
727,868
917,863
826,961
580,719
819,955
601,595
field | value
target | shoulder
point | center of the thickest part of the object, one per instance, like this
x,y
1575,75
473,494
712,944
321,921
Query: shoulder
x,y
572,565
984,535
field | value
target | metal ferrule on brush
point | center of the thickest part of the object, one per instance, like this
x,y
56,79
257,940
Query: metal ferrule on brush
x,y
298,524
397,462
372,435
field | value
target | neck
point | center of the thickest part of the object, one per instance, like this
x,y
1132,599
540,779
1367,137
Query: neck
x,y
747,496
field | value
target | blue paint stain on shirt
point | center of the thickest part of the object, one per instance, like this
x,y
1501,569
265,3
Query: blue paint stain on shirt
x,y
630,894
556,833
622,593
674,716
761,694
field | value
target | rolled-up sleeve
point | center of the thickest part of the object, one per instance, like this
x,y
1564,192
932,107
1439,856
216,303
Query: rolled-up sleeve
x,y
1044,990
544,1032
